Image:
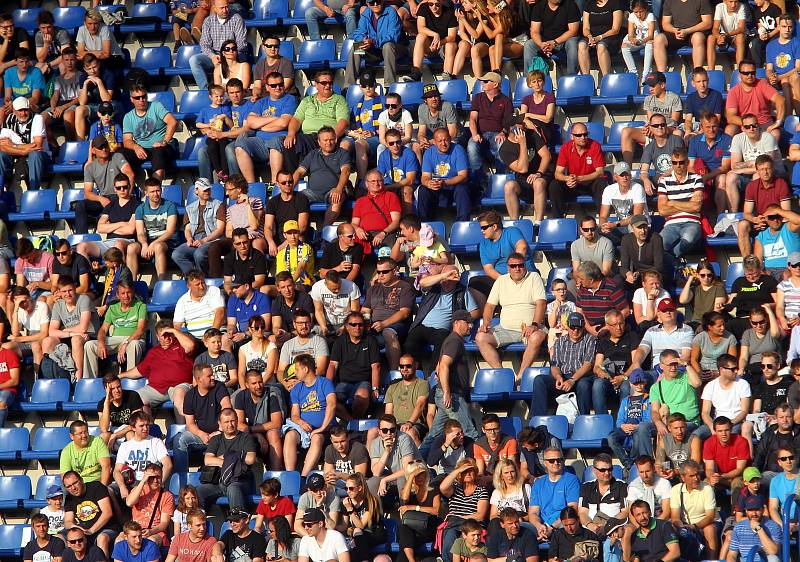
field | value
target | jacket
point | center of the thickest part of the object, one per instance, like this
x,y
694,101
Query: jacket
x,y
764,453
388,30
648,256
430,299
209,215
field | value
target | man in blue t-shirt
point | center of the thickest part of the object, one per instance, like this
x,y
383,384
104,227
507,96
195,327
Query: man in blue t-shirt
x,y
134,547
702,100
400,169
713,147
783,60
243,304
783,485
444,178
269,117
147,133
156,225
24,80
552,493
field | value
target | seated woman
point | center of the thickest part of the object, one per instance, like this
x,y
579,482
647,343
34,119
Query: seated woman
x,y
473,42
258,354
709,344
229,66
419,511
466,500
703,291
602,27
510,490
539,107
362,518
763,336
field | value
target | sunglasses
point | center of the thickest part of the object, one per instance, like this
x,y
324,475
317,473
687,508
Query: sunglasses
x,y
774,217
487,226
106,113
351,488
383,271
350,236
276,85
767,366
604,470
793,265
673,365
76,541
64,253
290,182
271,45
580,135
406,365
679,162
392,105
789,458
394,143
758,322
751,126
658,125
229,49
121,187
554,460
325,82
256,328
388,430
705,275
590,229
516,266
138,98
747,72
374,3
356,324
308,525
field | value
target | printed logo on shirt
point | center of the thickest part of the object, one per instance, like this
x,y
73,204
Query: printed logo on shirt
x,y
311,403
442,169
87,511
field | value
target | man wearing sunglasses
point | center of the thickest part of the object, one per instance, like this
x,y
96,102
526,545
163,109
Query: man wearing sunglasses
x,y
603,497
79,548
592,247
389,457
379,34
657,154
272,62
400,168
777,244
783,486
754,95
551,493
580,167
288,205
680,200
321,544
444,179
147,133
343,255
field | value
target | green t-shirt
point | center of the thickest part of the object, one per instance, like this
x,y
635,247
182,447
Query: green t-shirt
x,y
85,462
316,114
461,548
679,395
125,323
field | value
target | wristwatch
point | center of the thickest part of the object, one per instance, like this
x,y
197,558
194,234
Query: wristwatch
x,y
757,529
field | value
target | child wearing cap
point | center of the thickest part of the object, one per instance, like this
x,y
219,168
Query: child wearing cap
x,y
54,511
213,119
105,127
296,257
634,409
429,256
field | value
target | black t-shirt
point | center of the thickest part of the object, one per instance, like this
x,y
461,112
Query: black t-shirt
x,y
773,395
20,36
286,312
333,255
241,549
355,359
117,213
286,211
78,267
653,547
87,507
498,544
120,415
768,19
439,25
53,549
601,18
237,268
242,442
752,295
555,23
94,554
205,409
617,356
357,455
453,346
509,152
564,546
245,403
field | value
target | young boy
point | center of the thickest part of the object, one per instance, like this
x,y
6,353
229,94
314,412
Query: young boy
x,y
365,114
273,504
557,312
106,127
633,410
54,510
223,363
469,542
212,120
752,485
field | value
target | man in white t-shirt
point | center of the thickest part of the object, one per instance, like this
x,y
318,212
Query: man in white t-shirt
x,y
626,198
650,487
321,544
200,308
140,451
745,148
334,298
395,116
727,395
23,136
31,317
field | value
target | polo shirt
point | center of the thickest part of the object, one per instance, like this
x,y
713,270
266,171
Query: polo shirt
x,y
496,252
695,503
198,315
610,503
242,311
763,196
581,164
744,538
370,218
493,115
236,268
552,497
678,394
653,546
726,456
681,191
712,155
594,304
167,368
355,360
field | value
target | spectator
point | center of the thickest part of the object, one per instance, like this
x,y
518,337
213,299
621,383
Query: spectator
x,y
444,177
470,545
95,38
243,262
156,230
449,447
86,454
728,27
320,542
539,106
684,24
203,223
651,488
677,390
301,265
703,291
492,447
138,452
416,496
366,530
614,352
71,319
343,255
288,205
579,168
96,101
260,412
756,531
489,120
657,154
782,63
400,168
533,170
710,156
693,510
551,493
702,100
223,363
602,31
355,368
761,338
343,457
591,247
122,331
510,491
303,343
13,38
649,538
603,497
194,543
573,539
511,538
215,32
520,294
710,343
766,15
240,108
23,81
641,31
746,148
376,229
274,506
272,61
634,413
147,132
764,191
32,317
783,434
230,64
467,500
646,299
150,506
680,198
74,265
200,308
26,143
676,446
216,117
134,545
313,404
43,545
754,95
379,37
725,457
782,485
748,292
88,506
320,10
571,368
597,295
627,197
641,250
115,410
318,497
771,391
437,28
64,99
389,457
240,539
660,101
50,43
729,396
434,113
243,304
79,549
407,400
554,28
118,222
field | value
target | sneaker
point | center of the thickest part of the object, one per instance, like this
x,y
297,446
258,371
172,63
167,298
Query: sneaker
x,y
414,76
185,37
447,76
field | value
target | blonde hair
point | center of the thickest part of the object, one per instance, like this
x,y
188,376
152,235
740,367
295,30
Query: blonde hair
x,y
499,482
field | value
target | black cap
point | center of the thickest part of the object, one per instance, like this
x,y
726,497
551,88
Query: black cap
x,y
430,90
106,108
241,280
462,315
100,142
237,514
367,79
313,515
315,482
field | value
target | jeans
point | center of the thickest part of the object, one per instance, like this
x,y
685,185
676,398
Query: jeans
x,y
544,387
7,399
680,239
388,52
37,161
477,150
204,162
458,410
656,5
180,449
236,492
641,443
627,55
202,66
84,209
449,537
188,258
531,49
314,15
428,201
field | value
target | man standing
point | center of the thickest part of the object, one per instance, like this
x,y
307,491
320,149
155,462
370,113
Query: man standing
x,y
86,454
444,178
203,223
490,117
44,547
580,167
650,539
216,30
139,452
355,368
240,542
263,423
552,493
378,35
680,199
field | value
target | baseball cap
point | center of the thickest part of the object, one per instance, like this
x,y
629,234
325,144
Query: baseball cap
x,y
237,514
202,184
750,473
794,257
21,103
238,281
491,77
637,376
754,502
655,78
426,236
313,515
315,482
105,108
622,168
575,319
666,304
612,525
430,90
636,220
367,79
100,142
462,315
384,252
289,226
54,491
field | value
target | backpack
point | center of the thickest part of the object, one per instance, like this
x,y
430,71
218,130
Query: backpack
x,y
43,243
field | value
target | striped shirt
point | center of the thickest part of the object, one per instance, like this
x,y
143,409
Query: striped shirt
x,y
237,216
656,339
461,505
791,298
215,32
595,303
569,355
682,191
744,538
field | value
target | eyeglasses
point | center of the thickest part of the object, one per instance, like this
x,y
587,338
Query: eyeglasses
x,y
271,45
491,429
679,162
289,182
356,324
76,541
392,105
758,322
767,366
138,98
256,328
276,85
784,459
374,3
64,253
598,469
487,226
580,135
747,72
229,49
383,271
350,236
394,143
750,126
658,125
673,365
554,460
516,266
590,229
324,82
406,365
388,430
351,488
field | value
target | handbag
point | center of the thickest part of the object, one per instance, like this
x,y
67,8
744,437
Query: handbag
x,y
210,474
416,520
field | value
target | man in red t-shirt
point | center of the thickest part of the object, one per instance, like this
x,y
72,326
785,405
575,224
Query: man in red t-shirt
x,y
754,95
376,215
9,380
763,191
167,367
273,504
194,545
725,456
579,168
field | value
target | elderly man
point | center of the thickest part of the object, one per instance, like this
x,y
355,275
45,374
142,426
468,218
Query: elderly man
x,y
597,294
579,168
520,294
694,508
680,199
86,454
754,95
650,539
147,132
89,507
376,215
489,120
200,308
26,144
215,31
203,223
378,37
444,178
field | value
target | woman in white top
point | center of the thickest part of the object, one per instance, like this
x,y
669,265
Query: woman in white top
x,y
642,29
728,27
646,299
229,66
258,354
510,490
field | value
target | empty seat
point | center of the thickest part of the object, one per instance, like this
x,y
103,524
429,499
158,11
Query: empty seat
x,y
153,59
35,205
71,157
167,99
315,54
165,295
573,91
614,142
192,103
13,539
181,65
47,396
191,151
47,443
362,425
173,192
65,211
492,385
268,13
13,490
525,391
590,431
454,91
556,425
525,226
617,89
496,196
13,440
298,16
466,236
344,56
510,425
69,18
134,384
556,234
410,92
148,18
88,392
27,19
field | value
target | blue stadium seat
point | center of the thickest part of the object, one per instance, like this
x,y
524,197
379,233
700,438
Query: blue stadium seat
x,y
510,425
674,82
40,495
617,89
725,240
47,443
65,211
152,18
496,196
315,54
437,226
590,431
181,65
173,430
217,192
521,89
71,158
153,59
258,189
70,18
88,392
614,142
26,19
556,234
13,490
556,273
165,295
574,91
13,440
75,239
134,384
191,150
590,476
268,13
524,225
469,274
173,192
556,425
595,129
298,16
167,99
716,81
410,92
344,55
735,78
362,425
454,91
179,479
525,391
354,94
35,205
192,103
290,482
492,385
13,539
47,395
795,181
466,236
735,270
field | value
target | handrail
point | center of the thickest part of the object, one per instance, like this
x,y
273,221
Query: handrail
x,y
786,516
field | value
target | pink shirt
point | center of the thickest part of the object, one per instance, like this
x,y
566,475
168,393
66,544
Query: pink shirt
x,y
755,101
187,551
39,271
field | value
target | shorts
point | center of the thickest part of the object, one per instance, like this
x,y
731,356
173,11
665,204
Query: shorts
x,y
258,148
742,180
526,189
314,197
25,348
345,391
507,337
172,243
675,43
154,398
36,294
104,245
